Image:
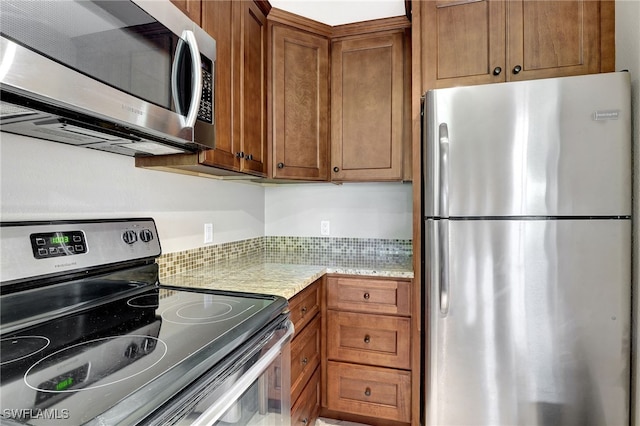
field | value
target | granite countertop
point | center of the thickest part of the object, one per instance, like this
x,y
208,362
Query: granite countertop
x,y
285,274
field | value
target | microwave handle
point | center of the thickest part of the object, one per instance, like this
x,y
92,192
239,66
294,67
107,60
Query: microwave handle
x,y
196,79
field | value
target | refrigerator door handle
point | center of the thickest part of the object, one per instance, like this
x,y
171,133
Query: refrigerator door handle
x,y
443,273
443,137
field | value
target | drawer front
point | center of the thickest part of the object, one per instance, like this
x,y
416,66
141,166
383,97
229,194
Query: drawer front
x,y
305,410
305,356
369,295
369,339
370,391
305,305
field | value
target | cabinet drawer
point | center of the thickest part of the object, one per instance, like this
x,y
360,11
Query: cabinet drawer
x,y
369,295
305,305
305,356
369,339
370,391
305,410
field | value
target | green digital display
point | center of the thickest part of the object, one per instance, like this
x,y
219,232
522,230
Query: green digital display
x,y
59,239
65,384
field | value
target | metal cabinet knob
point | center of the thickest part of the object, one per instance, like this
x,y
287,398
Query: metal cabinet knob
x,y
497,71
304,361
304,421
281,165
367,391
517,69
366,296
250,157
367,338
303,310
336,169
240,154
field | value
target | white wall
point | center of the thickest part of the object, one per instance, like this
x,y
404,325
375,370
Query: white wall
x,y
41,180
48,180
628,57
338,12
358,210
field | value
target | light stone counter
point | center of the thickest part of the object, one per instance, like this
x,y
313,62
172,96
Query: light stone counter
x,y
279,276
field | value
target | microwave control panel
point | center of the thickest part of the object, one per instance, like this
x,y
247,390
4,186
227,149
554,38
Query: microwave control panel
x,y
205,113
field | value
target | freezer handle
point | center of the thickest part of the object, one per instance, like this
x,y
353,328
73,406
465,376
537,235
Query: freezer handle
x,y
443,137
445,290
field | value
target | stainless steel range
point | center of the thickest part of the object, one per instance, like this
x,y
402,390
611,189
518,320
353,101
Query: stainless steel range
x,y
89,336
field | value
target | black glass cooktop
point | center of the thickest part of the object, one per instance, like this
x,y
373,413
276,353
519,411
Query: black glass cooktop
x,y
137,349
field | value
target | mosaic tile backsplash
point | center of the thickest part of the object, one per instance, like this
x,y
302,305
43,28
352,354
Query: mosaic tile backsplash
x,y
344,252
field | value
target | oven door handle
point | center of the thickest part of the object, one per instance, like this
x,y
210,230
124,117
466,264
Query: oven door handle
x,y
222,404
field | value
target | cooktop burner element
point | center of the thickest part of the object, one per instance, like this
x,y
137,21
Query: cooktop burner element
x,y
21,347
102,357
144,301
210,310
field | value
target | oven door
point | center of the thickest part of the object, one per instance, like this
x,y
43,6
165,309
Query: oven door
x,y
139,64
251,387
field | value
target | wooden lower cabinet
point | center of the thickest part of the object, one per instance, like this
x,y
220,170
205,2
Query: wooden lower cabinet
x,y
306,352
369,339
382,393
304,411
368,358
305,357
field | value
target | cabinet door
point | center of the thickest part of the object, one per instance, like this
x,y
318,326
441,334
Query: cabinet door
x,y
253,107
367,108
300,102
553,38
191,8
463,42
218,18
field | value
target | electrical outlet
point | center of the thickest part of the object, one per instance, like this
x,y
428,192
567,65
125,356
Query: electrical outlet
x,y
324,227
208,233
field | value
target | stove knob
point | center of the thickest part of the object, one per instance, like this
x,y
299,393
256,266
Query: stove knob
x,y
129,237
131,351
146,235
148,345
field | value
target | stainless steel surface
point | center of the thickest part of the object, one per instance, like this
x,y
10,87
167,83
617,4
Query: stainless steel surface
x,y
196,79
29,74
528,253
104,240
533,148
234,393
538,326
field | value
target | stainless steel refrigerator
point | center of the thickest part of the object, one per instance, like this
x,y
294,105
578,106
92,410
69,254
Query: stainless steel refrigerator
x,y
527,252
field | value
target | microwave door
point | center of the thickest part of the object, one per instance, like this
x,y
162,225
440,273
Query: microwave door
x,y
111,61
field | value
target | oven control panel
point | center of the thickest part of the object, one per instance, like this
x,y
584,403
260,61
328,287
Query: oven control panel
x,y
34,249
53,244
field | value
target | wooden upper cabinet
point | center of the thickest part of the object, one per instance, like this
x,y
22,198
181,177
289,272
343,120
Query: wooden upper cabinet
x,y
240,85
300,104
464,42
191,8
553,38
253,78
218,19
367,103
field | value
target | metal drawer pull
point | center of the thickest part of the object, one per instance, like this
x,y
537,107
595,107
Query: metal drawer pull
x,y
303,310
366,296
367,391
304,361
305,421
367,338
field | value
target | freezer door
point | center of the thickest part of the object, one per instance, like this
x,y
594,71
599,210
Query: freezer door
x,y
551,147
536,329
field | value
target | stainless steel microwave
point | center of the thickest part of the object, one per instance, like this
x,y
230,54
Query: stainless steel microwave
x,y
132,77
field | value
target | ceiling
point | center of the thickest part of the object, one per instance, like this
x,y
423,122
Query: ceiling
x,y
337,12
